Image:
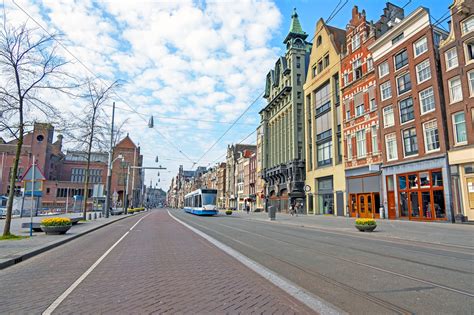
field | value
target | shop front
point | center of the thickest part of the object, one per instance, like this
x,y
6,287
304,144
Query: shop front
x,y
418,194
363,189
462,181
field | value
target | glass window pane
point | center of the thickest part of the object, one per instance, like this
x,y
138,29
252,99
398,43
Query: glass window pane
x,y
437,179
404,204
425,180
439,205
426,204
413,181
415,205
402,182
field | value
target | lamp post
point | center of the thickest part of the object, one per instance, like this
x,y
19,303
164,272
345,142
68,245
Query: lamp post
x,y
109,182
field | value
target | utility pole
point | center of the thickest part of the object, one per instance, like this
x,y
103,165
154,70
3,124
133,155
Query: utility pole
x,y
32,195
109,167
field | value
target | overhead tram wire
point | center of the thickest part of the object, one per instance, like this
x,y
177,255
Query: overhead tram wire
x,y
240,142
228,129
96,76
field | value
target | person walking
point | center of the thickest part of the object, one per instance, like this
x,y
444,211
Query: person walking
x,y
247,207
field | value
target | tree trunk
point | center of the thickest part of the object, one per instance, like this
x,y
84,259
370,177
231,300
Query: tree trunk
x,y
89,149
11,194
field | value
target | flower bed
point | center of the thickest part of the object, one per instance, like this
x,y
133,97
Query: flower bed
x,y
55,226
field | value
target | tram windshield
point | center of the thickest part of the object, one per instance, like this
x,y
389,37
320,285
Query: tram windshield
x,y
208,199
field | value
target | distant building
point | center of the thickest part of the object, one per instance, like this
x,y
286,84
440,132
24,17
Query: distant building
x,y
234,151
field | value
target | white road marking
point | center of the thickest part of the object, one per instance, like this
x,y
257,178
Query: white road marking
x,y
69,290
315,303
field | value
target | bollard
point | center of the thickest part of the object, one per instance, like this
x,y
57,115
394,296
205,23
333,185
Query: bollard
x,y
89,217
272,213
100,215
95,215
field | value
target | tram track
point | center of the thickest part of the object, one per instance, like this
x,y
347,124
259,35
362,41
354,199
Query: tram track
x,y
371,267
380,302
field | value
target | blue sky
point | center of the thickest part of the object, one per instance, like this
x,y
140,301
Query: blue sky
x,y
194,65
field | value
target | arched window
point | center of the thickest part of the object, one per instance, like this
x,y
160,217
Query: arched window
x,y
318,41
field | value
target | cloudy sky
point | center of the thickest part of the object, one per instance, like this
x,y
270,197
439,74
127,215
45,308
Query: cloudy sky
x,y
194,65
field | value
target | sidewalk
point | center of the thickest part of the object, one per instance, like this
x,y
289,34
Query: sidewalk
x,y
430,232
14,251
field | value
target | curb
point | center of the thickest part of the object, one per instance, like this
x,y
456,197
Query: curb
x,y
23,257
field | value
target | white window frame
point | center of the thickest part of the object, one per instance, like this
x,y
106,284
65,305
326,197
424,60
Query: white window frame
x,y
373,104
418,42
384,113
370,64
451,100
391,136
448,59
349,147
354,41
466,51
383,65
389,84
419,69
361,144
403,143
357,110
470,82
422,111
463,23
455,134
398,85
374,136
425,138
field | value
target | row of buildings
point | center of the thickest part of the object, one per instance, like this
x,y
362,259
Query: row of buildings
x,y
374,120
64,172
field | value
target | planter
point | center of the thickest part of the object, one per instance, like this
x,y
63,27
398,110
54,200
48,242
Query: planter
x,y
55,230
365,228
228,212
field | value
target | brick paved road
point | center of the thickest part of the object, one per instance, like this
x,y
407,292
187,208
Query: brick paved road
x,y
160,266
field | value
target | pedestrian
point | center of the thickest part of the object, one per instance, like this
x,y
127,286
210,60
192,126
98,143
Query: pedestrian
x,y
292,209
247,207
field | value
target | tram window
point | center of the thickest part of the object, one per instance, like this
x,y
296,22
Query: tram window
x,y
199,201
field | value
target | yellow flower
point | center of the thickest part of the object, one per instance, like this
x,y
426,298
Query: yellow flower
x,y
365,222
56,221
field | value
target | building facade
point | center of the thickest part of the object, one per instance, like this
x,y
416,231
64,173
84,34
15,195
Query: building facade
x,y
282,122
221,172
363,156
415,173
457,60
325,178
259,182
234,152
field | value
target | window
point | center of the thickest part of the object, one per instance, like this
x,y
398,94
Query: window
x,y
383,69
349,147
348,114
324,153
361,146
360,110
323,98
372,104
420,46
427,103
406,110
455,91
469,51
326,61
388,117
298,79
467,25
403,83
346,78
355,42
470,79
431,136
423,71
318,41
370,64
386,90
401,59
436,39
357,68
391,146
459,125
375,143
298,62
451,57
397,38
314,71
320,66
410,143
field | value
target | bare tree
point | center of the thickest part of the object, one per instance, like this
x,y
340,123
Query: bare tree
x,y
93,125
29,65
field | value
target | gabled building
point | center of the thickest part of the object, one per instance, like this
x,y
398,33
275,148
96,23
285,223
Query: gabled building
x,y
363,156
415,172
282,121
234,152
325,178
457,60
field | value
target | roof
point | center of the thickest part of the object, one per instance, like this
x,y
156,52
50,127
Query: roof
x,y
295,28
339,36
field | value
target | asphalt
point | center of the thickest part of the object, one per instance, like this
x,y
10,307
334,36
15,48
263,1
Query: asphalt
x,y
359,273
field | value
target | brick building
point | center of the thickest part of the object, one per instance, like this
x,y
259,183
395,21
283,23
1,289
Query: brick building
x,y
457,60
65,172
411,107
362,148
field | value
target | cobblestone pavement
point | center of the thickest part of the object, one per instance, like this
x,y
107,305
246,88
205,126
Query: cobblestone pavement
x,y
159,267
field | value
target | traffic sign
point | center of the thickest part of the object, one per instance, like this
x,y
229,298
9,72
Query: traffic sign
x,y
33,175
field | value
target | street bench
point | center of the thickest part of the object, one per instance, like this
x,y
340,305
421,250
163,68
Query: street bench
x,y
37,225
